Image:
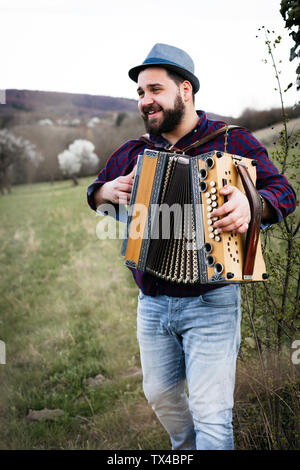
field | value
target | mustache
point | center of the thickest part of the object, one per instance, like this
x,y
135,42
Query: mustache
x,y
149,108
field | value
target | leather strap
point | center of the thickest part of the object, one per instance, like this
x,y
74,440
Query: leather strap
x,y
254,225
203,140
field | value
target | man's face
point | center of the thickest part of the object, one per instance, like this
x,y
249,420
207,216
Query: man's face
x,y
160,102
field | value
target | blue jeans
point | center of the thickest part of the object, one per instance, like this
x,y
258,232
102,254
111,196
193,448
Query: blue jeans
x,y
193,340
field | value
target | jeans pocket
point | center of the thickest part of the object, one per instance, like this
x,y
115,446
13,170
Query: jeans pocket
x,y
221,296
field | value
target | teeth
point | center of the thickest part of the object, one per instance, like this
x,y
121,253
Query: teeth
x,y
153,112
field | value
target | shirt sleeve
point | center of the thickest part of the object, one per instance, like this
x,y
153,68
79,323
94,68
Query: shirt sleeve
x,y
120,163
273,186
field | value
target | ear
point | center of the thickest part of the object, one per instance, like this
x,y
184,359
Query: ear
x,y
187,91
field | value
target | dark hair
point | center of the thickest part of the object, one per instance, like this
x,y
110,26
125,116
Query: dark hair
x,y
178,79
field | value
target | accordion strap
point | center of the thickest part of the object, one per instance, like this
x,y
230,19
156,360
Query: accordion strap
x,y
203,140
254,226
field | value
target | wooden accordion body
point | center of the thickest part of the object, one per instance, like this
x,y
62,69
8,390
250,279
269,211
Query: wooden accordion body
x,y
170,231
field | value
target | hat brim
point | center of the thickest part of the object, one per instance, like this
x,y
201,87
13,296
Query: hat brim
x,y
134,73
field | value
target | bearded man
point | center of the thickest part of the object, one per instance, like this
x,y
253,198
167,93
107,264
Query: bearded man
x,y
189,334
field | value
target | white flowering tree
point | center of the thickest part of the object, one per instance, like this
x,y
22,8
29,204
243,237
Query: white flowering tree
x,y
79,154
13,149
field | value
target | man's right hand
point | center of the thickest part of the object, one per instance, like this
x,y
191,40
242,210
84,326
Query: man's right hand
x,y
117,191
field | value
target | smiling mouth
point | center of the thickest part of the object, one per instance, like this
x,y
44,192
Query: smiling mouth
x,y
152,112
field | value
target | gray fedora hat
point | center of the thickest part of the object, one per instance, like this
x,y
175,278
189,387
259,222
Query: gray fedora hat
x,y
171,58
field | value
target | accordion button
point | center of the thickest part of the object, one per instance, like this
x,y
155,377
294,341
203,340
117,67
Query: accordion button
x,y
210,229
215,218
212,183
208,248
210,260
207,194
213,197
202,174
202,186
214,204
217,239
216,231
209,222
209,208
208,200
213,190
211,235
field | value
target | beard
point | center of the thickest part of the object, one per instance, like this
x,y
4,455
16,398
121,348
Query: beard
x,y
171,118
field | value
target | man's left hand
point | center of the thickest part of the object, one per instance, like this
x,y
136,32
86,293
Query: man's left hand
x,y
235,212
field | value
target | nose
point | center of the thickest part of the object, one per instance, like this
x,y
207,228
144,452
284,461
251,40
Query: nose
x,y
146,99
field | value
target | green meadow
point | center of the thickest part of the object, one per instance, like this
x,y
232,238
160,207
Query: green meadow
x,y
72,377
68,320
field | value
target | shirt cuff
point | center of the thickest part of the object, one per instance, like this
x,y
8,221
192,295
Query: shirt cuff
x,y
268,196
118,211
90,194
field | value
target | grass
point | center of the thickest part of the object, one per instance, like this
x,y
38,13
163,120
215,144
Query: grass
x,y
67,313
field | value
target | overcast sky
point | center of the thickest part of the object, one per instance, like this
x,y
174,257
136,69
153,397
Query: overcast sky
x,y
88,46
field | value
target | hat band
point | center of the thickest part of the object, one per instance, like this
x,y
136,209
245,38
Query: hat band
x,y
154,60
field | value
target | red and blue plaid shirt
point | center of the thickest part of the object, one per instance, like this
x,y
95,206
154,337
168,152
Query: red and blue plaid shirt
x,y
273,186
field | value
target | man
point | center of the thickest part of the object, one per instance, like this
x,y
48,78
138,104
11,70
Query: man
x,y
189,333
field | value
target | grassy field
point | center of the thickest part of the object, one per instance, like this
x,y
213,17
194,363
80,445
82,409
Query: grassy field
x,y
68,319
67,314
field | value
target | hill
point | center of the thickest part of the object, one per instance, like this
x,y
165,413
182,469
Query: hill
x,y
269,135
26,106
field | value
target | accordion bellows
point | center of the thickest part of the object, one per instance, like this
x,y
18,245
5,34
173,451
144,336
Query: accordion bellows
x,y
170,231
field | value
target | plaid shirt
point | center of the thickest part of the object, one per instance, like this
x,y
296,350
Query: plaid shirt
x,y
273,186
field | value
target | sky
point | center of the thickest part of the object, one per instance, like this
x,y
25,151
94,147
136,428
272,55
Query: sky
x,y
88,46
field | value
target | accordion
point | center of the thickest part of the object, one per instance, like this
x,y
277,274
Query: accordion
x,y
170,231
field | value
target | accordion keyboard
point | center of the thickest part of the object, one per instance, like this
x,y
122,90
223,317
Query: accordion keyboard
x,y
224,253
